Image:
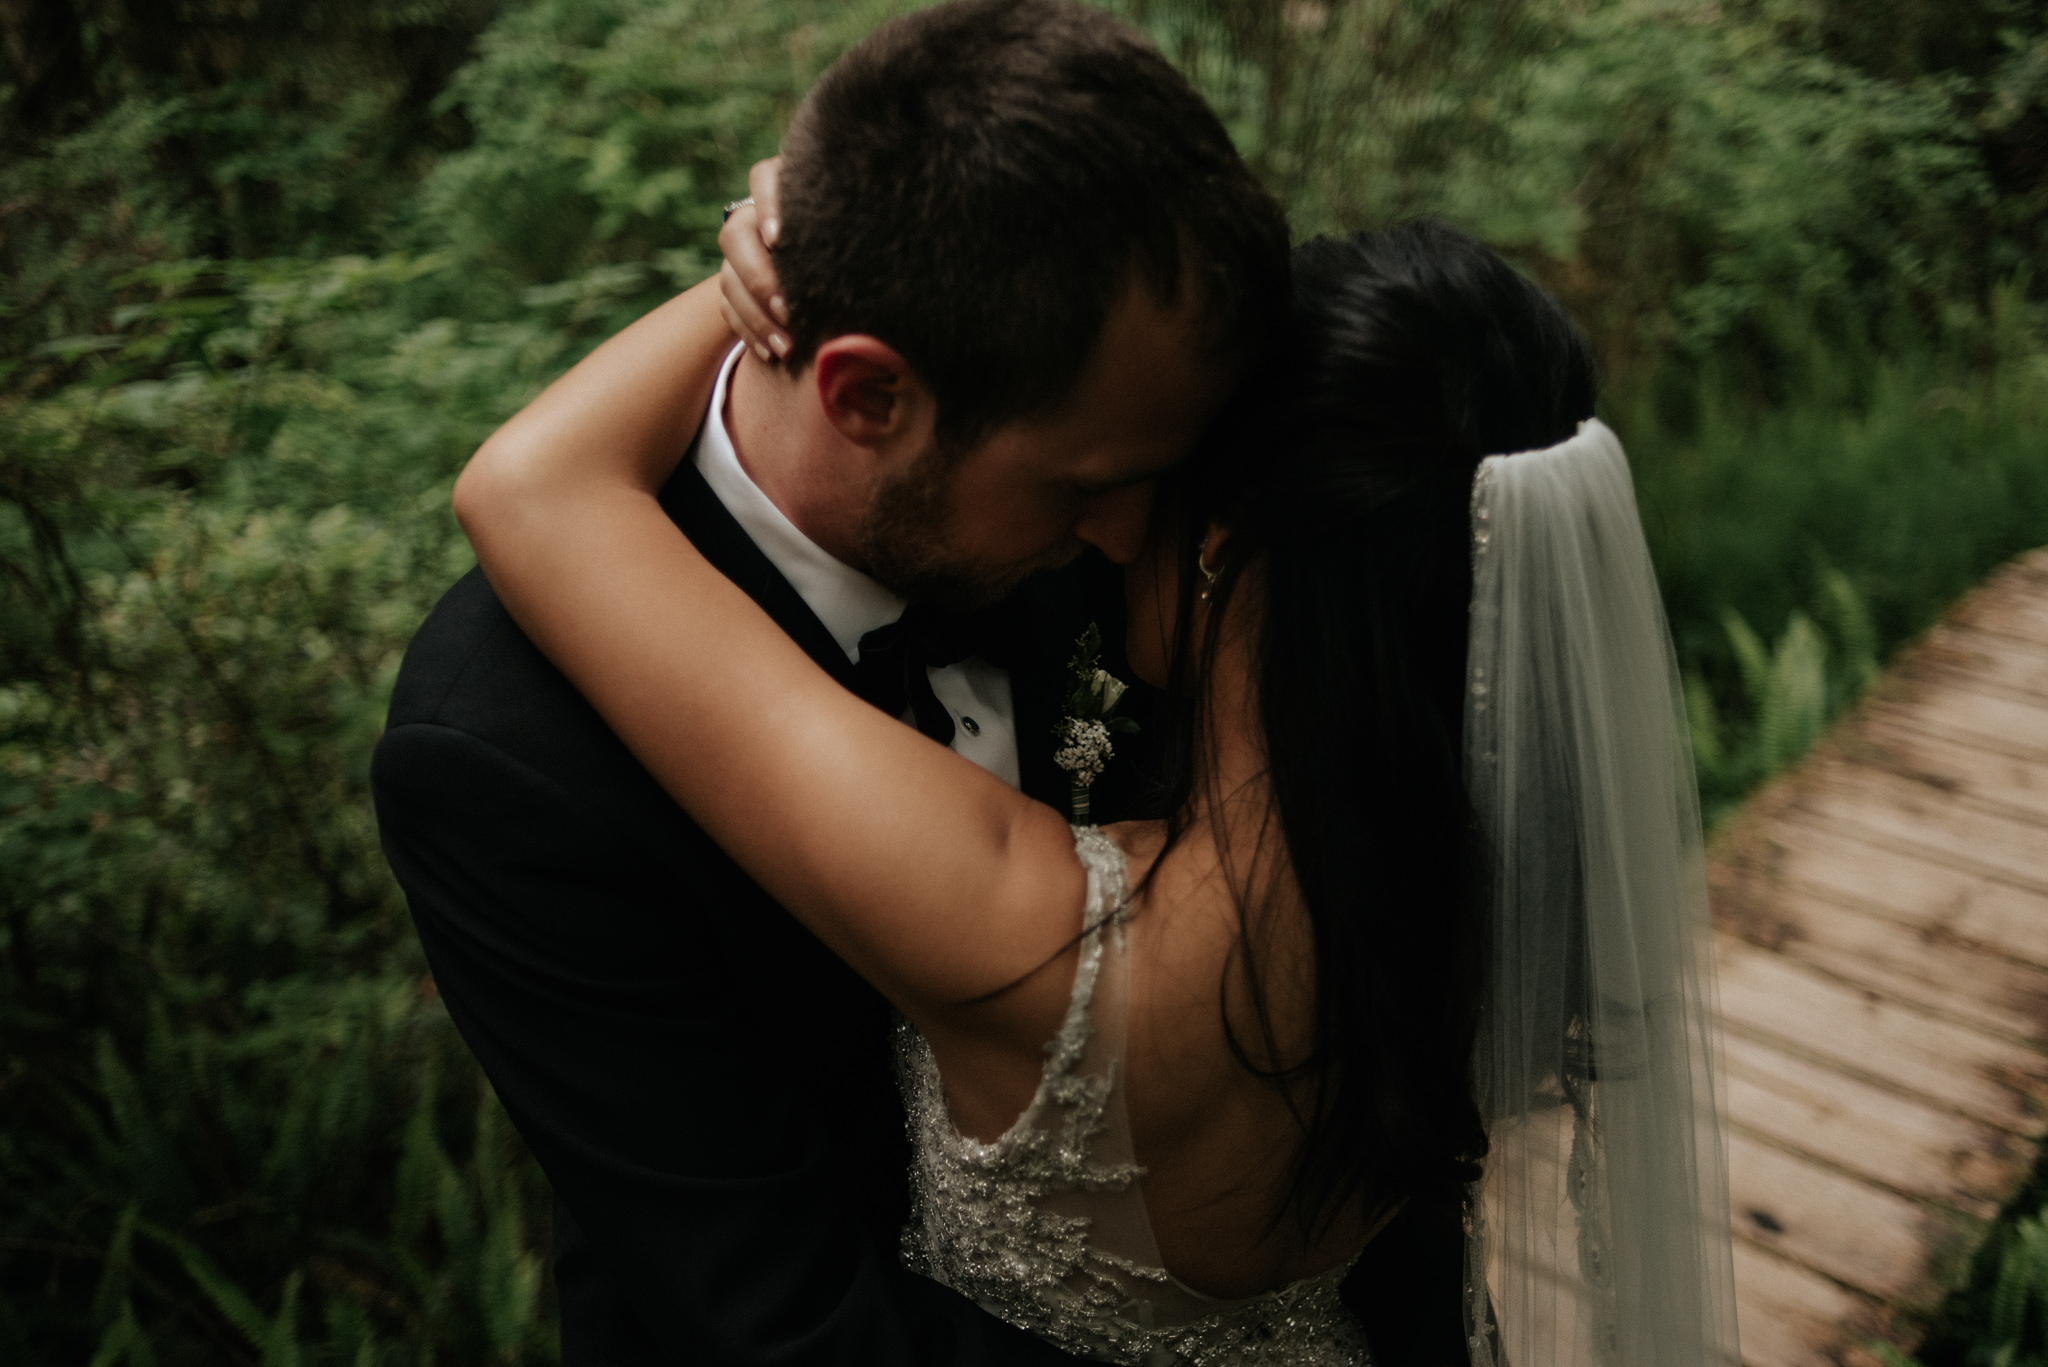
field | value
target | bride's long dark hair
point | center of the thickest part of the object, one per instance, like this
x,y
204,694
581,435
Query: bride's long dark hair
x,y
1344,473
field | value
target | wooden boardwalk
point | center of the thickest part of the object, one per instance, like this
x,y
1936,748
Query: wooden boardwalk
x,y
1882,938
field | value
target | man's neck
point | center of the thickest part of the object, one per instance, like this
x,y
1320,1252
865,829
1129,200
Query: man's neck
x,y
793,455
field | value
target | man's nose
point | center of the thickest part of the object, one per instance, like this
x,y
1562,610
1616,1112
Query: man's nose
x,y
1114,522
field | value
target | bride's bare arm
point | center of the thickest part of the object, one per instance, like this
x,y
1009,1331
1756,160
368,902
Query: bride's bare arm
x,y
936,881
644,391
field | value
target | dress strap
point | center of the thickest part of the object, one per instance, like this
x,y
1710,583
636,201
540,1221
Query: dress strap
x,y
1088,1056
1109,877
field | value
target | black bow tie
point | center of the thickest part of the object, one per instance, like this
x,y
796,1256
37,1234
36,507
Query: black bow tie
x,y
891,670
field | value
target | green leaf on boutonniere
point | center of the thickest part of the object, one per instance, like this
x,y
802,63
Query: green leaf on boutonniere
x,y
1096,691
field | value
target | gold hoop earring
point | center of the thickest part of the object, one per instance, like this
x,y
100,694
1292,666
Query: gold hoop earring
x,y
1211,576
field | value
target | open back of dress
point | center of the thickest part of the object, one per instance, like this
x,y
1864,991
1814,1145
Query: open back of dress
x,y
1046,1227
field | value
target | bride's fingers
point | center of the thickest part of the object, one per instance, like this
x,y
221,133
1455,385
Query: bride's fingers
x,y
764,183
732,320
749,322
753,271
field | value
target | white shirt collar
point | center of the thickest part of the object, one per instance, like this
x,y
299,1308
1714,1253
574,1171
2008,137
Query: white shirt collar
x,y
848,602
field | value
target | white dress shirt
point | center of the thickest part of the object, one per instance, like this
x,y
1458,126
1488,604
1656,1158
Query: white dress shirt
x,y
974,692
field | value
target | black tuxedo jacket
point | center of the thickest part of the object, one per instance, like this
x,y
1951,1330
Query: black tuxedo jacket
x,y
710,1092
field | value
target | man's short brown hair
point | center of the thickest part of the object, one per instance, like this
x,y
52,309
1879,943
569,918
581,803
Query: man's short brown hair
x,y
975,183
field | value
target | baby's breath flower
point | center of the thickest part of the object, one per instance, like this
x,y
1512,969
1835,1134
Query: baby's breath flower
x,y
1084,749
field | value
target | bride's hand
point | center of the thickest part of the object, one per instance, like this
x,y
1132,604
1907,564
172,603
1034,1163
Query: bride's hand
x,y
749,293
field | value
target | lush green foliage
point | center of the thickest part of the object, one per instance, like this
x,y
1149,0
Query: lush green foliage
x,y
1999,1317
238,1126
271,270
1851,515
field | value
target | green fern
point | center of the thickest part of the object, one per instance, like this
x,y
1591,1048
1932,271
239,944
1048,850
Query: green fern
x,y
1790,690
1848,616
1705,720
2009,1295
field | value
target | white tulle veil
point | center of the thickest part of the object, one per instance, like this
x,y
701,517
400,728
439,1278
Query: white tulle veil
x,y
1600,1232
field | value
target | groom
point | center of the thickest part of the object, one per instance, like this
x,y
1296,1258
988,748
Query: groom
x,y
1012,215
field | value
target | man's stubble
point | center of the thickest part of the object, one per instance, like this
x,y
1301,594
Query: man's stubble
x,y
902,541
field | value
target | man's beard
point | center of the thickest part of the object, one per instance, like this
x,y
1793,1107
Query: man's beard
x,y
902,542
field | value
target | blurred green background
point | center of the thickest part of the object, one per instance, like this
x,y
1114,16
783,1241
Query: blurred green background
x,y
271,269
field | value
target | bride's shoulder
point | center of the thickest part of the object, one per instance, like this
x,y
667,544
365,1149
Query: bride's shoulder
x,y
1141,842
1182,890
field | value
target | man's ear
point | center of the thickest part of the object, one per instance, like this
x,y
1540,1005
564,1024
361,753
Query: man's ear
x,y
868,391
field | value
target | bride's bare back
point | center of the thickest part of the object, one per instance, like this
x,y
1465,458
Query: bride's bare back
x,y
1048,1220
1216,1140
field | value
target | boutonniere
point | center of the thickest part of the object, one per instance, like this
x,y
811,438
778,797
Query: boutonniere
x,y
1083,734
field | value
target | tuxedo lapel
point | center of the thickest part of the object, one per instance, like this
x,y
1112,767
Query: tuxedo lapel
x,y
694,508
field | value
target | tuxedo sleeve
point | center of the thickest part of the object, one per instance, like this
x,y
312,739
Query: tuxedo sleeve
x,y
702,1186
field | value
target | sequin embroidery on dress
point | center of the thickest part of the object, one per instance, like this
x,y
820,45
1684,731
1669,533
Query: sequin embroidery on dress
x,y
1045,1226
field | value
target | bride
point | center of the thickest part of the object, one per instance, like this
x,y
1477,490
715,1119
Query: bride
x,y
1424,926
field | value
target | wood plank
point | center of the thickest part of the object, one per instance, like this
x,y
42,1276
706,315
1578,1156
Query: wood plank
x,y
1919,817
1880,1041
2007,721
1793,1317
1910,743
1919,965
1912,1147
1953,650
1850,1231
1934,898
1882,940
1933,685
2014,603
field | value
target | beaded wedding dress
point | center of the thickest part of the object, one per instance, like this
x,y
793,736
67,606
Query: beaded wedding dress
x,y
1046,1226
